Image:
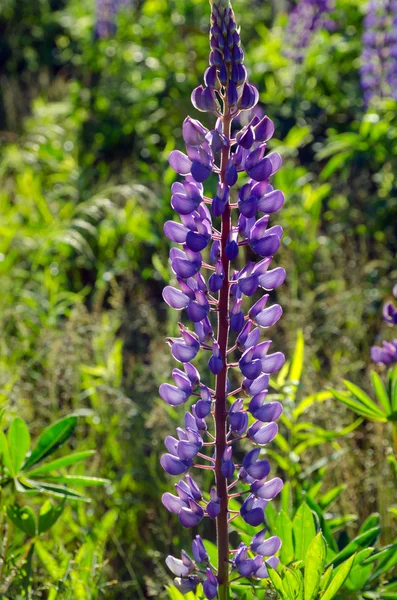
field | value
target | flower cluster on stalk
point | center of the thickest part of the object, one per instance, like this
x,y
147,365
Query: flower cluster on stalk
x,y
387,353
106,12
305,19
216,305
378,69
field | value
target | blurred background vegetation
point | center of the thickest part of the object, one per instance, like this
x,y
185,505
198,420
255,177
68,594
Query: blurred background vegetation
x,y
86,125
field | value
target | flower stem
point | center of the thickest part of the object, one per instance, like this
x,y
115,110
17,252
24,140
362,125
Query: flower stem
x,y
220,389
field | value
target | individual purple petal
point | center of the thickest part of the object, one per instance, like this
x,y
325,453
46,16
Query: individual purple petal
x,y
198,549
214,505
257,385
172,503
193,132
249,98
190,517
177,567
210,585
176,232
200,172
180,162
271,202
172,395
196,312
262,170
215,364
269,316
273,362
275,160
268,412
262,572
248,285
175,298
197,99
262,434
267,490
267,547
264,130
192,373
246,137
272,279
231,175
186,584
258,307
173,465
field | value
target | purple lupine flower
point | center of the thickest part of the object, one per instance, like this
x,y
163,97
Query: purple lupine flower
x,y
378,69
209,234
305,19
106,11
387,353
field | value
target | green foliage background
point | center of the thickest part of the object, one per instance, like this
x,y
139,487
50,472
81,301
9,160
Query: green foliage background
x,y
85,129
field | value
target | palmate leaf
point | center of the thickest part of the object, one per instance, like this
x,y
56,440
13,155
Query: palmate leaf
x,y
50,440
359,408
362,397
278,584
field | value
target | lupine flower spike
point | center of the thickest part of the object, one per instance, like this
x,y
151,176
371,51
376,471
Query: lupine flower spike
x,y
305,19
210,235
387,353
378,70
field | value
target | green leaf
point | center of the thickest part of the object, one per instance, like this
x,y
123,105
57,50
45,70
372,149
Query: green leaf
x,y
362,397
329,497
76,480
314,566
278,584
59,463
212,551
293,583
372,521
381,392
18,442
49,514
359,408
339,578
5,454
49,563
304,530
23,517
51,439
327,533
326,578
361,541
295,371
52,489
174,594
284,531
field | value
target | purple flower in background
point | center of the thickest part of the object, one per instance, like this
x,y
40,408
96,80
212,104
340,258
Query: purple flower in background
x,y
211,287
106,12
387,353
305,19
378,71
